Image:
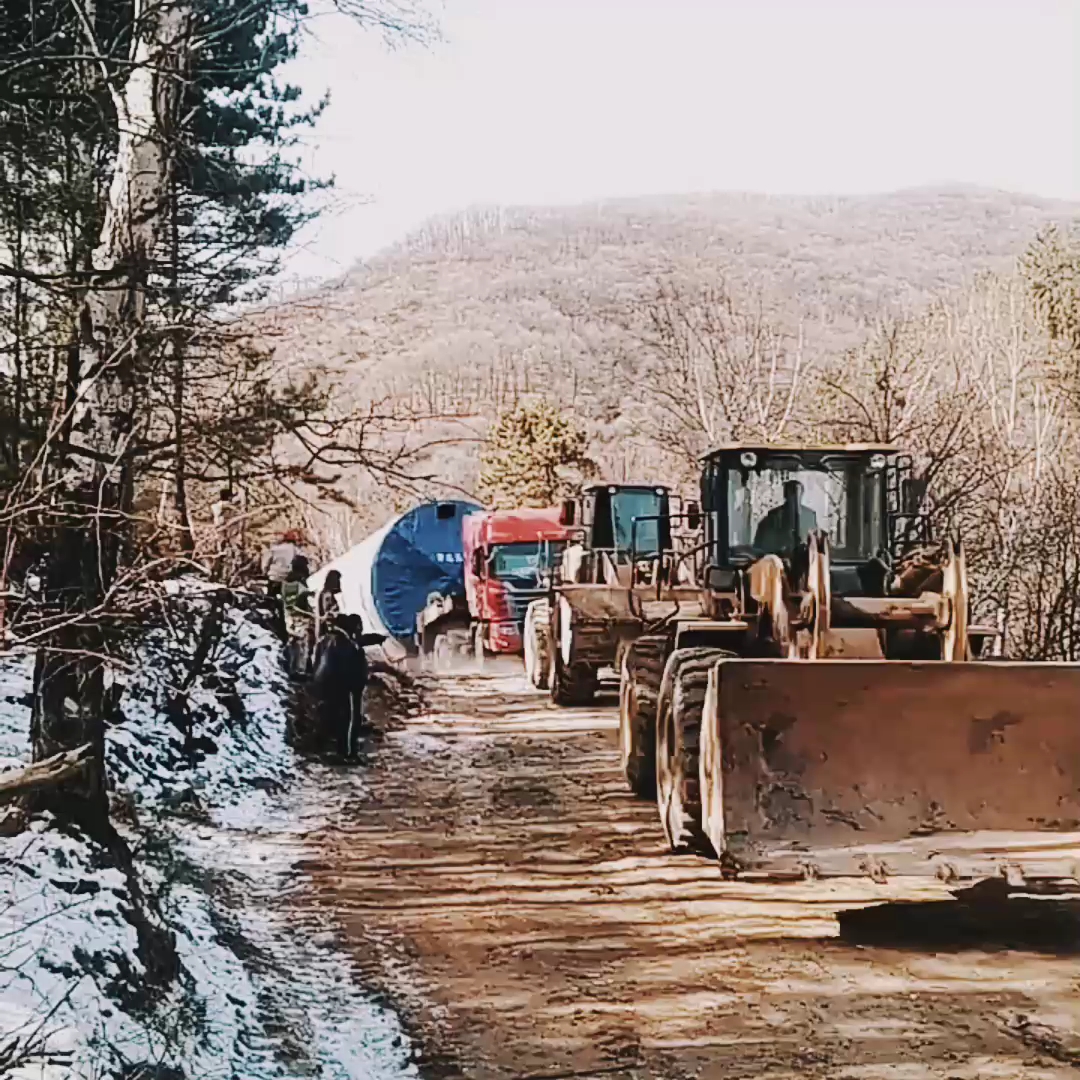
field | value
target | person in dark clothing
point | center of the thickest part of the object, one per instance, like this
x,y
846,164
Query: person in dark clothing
x,y
784,527
337,684
354,627
339,677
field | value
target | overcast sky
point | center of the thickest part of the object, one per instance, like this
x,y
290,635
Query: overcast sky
x,y
545,101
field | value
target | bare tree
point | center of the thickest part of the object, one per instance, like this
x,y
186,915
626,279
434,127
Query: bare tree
x,y
967,388
96,485
717,366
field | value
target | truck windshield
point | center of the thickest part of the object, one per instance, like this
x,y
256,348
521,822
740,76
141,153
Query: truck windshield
x,y
521,563
775,506
627,505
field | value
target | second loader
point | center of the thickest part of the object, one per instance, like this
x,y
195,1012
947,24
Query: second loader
x,y
825,707
608,584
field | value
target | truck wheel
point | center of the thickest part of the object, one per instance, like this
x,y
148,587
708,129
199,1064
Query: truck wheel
x,y
441,655
536,636
478,649
678,735
640,675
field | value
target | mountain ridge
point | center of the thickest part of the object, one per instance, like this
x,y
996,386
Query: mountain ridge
x,y
474,310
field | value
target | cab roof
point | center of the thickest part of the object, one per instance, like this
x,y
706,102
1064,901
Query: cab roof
x,y
602,485
518,525
800,448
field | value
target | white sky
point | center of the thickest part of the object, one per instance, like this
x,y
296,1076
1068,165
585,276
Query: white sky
x,y
546,101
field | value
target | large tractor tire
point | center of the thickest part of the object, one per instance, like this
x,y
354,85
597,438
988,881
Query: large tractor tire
x,y
300,731
640,675
678,739
574,685
303,726
569,684
537,643
298,657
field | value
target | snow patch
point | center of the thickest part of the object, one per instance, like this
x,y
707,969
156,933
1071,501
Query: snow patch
x,y
257,997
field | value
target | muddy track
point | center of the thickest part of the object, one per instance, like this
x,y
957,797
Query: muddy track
x,y
495,881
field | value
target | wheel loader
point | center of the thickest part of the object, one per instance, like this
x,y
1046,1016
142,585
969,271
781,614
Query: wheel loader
x,y
609,583
826,708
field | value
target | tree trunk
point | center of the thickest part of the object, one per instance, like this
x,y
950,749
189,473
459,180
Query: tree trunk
x,y
92,532
19,255
178,345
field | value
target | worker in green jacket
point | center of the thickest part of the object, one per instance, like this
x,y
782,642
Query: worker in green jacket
x,y
299,616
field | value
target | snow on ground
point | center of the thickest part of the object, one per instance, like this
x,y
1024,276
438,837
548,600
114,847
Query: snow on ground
x,y
256,996
16,684
232,776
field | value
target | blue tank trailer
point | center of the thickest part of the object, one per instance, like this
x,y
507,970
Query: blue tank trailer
x,y
407,581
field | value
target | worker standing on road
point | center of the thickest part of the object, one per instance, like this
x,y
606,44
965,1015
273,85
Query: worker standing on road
x,y
339,679
328,603
299,617
362,641
277,563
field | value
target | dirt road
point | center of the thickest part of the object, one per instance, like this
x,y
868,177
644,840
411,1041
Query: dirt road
x,y
495,880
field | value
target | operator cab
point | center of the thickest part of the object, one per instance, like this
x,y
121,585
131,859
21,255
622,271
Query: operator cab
x,y
608,512
766,500
621,527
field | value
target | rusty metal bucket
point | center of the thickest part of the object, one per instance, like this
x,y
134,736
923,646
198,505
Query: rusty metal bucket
x,y
836,767
592,620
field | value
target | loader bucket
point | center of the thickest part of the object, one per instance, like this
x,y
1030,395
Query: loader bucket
x,y
959,771
592,619
597,603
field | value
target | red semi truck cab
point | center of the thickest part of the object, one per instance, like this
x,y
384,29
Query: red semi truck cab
x,y
506,554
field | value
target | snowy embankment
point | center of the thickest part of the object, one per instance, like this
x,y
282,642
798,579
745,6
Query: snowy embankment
x,y
89,985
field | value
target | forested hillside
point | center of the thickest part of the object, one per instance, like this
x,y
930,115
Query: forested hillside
x,y
937,320
475,310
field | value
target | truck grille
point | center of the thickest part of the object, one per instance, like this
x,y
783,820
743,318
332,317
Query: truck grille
x,y
517,601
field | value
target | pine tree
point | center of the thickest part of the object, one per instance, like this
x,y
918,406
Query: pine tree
x,y
1051,269
534,456
146,182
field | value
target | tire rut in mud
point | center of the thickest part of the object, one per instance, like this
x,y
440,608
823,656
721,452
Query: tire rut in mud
x,y
495,879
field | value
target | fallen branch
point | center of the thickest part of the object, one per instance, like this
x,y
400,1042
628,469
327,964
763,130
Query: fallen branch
x,y
50,773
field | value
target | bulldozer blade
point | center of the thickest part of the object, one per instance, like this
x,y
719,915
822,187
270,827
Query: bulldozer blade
x,y
959,771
